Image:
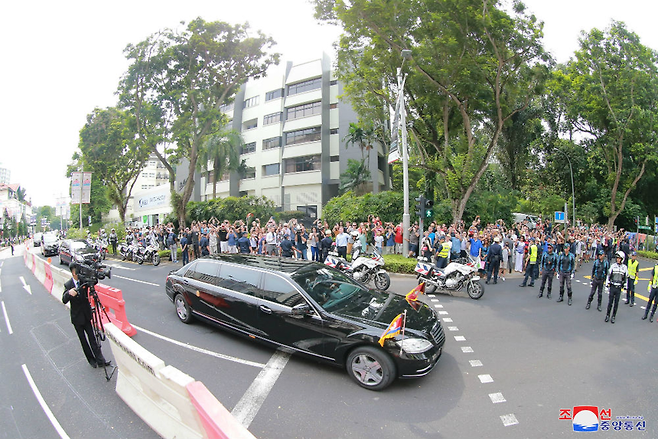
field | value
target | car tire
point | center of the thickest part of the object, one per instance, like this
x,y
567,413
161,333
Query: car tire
x,y
370,367
183,310
475,290
382,281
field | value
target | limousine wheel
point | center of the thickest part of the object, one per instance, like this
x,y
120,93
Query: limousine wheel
x,y
182,309
371,368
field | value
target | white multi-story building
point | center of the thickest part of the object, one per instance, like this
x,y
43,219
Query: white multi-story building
x,y
294,126
5,175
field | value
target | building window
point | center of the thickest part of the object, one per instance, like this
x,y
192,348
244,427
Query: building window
x,y
333,131
272,169
301,164
301,87
334,82
250,125
272,118
334,158
250,172
248,148
333,106
274,94
303,136
304,110
251,102
225,108
272,142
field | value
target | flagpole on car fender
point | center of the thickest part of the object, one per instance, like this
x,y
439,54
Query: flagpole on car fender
x,y
404,323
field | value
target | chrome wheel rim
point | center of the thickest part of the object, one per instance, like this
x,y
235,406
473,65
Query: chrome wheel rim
x,y
180,308
367,370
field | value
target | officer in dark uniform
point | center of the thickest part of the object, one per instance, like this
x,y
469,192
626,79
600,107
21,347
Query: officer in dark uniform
x,y
287,248
653,294
566,265
616,281
494,256
600,270
548,267
77,294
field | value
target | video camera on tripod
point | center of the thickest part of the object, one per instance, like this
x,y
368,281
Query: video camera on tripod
x,y
91,271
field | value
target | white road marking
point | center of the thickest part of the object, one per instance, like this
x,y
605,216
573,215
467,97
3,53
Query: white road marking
x,y
460,338
26,287
467,349
200,350
4,311
443,313
121,267
431,295
0,287
509,420
447,320
246,409
453,328
485,378
497,398
434,300
44,405
137,280
438,306
475,363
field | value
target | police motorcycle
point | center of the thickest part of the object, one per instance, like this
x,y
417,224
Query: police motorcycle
x,y
150,254
459,273
101,247
125,251
364,268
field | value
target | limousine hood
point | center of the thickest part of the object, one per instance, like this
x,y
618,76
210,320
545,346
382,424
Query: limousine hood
x,y
379,308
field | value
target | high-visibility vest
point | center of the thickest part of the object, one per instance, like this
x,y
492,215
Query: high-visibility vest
x,y
632,268
654,283
444,251
533,254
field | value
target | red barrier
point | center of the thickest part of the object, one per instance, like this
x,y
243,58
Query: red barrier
x,y
48,283
113,303
218,422
34,263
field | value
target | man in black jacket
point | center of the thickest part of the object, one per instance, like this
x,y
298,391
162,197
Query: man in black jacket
x,y
81,317
494,256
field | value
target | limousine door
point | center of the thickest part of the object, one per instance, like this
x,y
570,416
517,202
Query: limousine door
x,y
306,334
238,294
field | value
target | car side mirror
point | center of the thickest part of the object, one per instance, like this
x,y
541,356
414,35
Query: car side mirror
x,y
300,311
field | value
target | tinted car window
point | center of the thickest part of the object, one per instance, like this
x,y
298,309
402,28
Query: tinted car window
x,y
205,271
328,287
279,290
190,271
242,280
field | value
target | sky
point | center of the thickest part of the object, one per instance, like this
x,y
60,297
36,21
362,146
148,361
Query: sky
x,y
63,59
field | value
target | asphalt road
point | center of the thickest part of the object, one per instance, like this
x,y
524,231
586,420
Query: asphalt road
x,y
510,364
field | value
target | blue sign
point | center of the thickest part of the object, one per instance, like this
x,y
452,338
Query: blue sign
x,y
656,230
559,217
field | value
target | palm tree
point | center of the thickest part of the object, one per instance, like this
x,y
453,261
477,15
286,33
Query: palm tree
x,y
355,176
223,150
363,137
20,194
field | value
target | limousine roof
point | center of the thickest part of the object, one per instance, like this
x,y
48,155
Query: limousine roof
x,y
271,263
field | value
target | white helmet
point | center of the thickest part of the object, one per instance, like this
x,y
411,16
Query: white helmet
x,y
620,254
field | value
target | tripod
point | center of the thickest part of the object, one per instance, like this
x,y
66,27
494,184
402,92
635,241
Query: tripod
x,y
97,324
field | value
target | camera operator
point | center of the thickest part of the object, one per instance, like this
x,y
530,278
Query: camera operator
x,y
77,294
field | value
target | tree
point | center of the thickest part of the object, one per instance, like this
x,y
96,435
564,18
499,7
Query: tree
x,y
176,84
473,67
223,151
614,84
21,194
355,176
108,148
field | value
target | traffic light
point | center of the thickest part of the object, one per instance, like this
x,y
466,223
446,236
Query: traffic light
x,y
420,206
429,212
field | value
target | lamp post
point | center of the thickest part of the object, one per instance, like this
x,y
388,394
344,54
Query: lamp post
x,y
406,222
573,193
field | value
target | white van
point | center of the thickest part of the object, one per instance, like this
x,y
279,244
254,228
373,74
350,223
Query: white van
x,y
532,220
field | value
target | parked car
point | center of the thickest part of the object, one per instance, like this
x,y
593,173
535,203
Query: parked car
x,y
49,244
311,309
77,249
36,239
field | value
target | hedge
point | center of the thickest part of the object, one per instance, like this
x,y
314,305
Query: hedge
x,y
647,254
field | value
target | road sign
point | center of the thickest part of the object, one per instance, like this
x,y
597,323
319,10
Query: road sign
x,y
644,228
559,217
656,229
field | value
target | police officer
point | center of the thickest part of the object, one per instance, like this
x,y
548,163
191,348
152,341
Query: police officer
x,y
653,293
600,270
531,262
616,281
565,265
442,252
114,240
633,269
548,266
494,256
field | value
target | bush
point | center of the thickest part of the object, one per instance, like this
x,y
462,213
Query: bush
x,y
399,264
166,254
647,254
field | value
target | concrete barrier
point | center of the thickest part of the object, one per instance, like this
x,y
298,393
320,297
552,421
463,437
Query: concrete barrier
x,y
171,402
112,300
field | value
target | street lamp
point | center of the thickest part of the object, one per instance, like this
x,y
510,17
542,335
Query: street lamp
x,y
406,222
573,194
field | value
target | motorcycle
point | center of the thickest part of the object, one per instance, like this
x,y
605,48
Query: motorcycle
x,y
125,251
454,277
101,248
150,253
362,269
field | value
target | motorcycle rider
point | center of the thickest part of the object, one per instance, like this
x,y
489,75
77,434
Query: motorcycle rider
x,y
633,270
548,267
600,270
565,264
616,281
653,293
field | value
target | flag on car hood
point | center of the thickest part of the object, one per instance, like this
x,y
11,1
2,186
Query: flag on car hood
x,y
412,296
393,329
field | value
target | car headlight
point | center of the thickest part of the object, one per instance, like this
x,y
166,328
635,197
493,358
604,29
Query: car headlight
x,y
414,345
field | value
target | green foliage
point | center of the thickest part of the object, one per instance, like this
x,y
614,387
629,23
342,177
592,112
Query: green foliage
x,y
99,205
349,207
232,209
648,254
355,176
399,264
